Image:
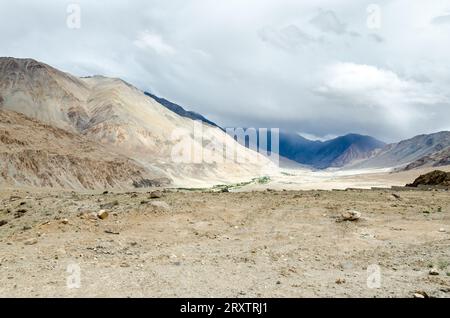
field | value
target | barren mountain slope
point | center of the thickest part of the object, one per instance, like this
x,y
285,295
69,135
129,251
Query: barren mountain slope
x,y
117,114
36,154
437,159
42,92
407,151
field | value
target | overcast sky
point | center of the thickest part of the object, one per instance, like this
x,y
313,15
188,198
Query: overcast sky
x,y
321,68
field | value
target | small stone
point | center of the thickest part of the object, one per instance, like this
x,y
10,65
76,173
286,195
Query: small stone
x,y
14,198
442,230
350,216
93,216
112,232
340,281
65,221
3,222
433,272
31,241
420,294
155,195
102,214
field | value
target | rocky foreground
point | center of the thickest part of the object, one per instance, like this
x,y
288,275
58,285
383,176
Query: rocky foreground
x,y
357,243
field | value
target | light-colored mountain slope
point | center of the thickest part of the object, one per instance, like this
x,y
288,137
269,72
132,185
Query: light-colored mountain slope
x,y
42,92
40,155
123,118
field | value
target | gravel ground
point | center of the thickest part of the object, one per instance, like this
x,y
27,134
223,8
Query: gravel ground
x,y
246,244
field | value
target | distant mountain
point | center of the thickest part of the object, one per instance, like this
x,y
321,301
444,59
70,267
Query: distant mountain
x,y
438,159
177,109
333,153
352,150
419,151
337,152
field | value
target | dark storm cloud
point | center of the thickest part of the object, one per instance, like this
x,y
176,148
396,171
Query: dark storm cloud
x,y
317,68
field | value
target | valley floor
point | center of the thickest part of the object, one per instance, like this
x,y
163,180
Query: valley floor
x,y
246,244
298,179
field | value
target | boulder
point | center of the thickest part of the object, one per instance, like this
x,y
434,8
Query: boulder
x,y
434,178
102,214
350,216
155,195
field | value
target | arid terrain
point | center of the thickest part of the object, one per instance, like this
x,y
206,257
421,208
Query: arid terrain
x,y
237,244
82,157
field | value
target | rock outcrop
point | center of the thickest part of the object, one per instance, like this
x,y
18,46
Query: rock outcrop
x,y
434,178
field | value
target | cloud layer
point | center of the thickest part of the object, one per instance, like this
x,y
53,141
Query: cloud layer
x,y
322,68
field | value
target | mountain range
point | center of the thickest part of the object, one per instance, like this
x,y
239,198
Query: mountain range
x,y
353,151
124,121
406,152
337,152
59,130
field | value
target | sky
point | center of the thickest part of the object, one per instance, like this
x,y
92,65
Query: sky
x,y
320,68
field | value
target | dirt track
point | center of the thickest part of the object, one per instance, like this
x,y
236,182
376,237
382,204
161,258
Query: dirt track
x,y
249,244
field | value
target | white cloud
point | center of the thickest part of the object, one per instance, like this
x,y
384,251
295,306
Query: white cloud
x,y
442,19
317,138
153,41
327,21
375,86
289,37
380,93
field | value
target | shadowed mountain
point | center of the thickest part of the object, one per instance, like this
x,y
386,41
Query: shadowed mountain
x,y
177,109
334,153
422,150
337,152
